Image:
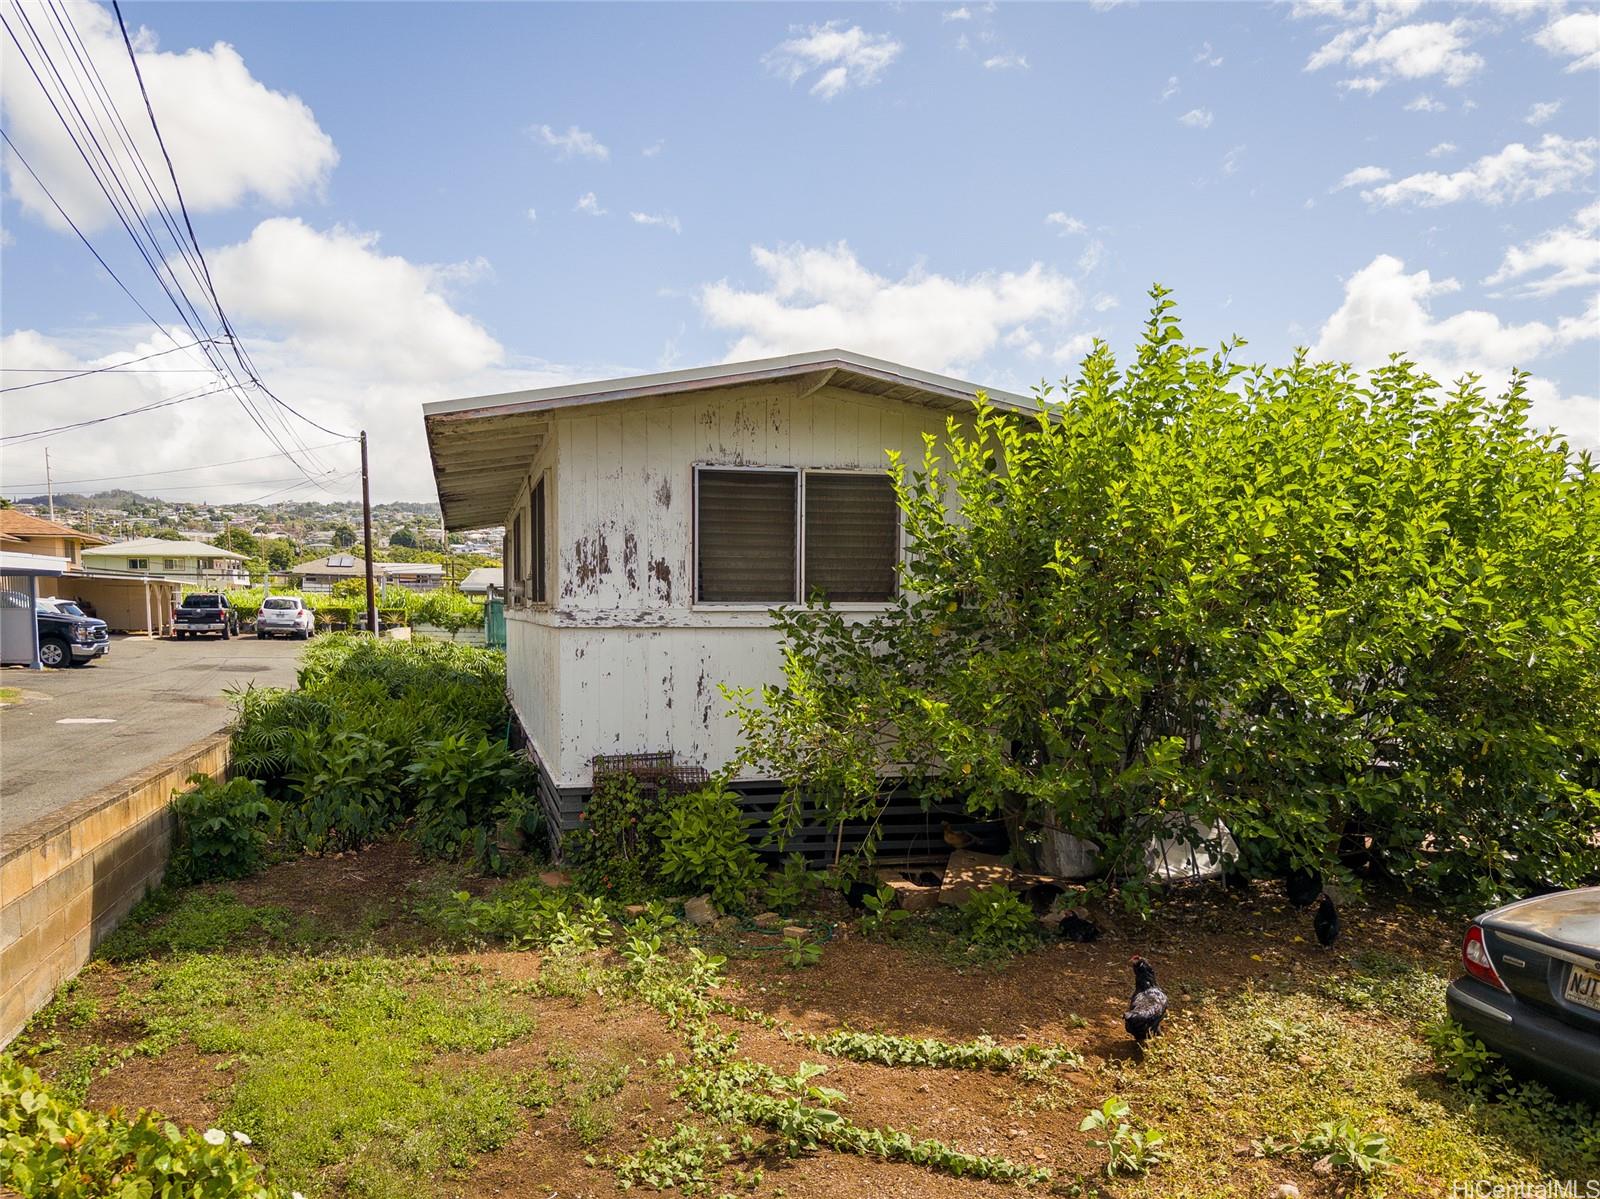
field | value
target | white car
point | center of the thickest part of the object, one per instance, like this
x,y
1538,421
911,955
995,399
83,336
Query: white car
x,y
285,615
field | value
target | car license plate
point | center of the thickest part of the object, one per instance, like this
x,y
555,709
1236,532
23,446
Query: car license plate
x,y
1583,987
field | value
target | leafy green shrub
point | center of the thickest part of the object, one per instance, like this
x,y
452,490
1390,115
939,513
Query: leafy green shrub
x,y
798,952
1196,593
705,846
1129,1150
614,850
49,1148
348,788
1460,1054
882,916
984,1053
690,1160
458,783
791,887
997,922
223,829
1349,1148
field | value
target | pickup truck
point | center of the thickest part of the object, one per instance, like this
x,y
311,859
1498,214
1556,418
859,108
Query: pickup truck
x,y
205,612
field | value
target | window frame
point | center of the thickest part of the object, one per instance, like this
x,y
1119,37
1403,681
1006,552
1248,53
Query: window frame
x,y
538,583
138,563
800,473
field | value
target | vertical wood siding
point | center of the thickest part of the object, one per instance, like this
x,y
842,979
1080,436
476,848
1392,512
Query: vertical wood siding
x,y
623,660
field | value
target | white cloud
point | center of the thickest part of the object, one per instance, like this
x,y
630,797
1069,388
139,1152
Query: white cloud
x,y
1575,36
1207,56
1170,90
1385,310
1361,177
1067,224
844,57
654,148
823,296
587,203
666,220
1542,112
1384,50
1438,151
1197,118
1232,159
574,143
231,137
1425,103
1006,62
1094,253
1104,302
533,214
338,301
1568,256
1515,173
352,337
1369,84
957,14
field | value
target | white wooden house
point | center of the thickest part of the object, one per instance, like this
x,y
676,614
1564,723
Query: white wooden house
x,y
652,524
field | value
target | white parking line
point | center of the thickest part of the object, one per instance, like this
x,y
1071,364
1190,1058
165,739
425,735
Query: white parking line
x,y
86,720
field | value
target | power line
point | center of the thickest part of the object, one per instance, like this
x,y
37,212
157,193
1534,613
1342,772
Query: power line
x,y
102,164
150,474
169,401
102,369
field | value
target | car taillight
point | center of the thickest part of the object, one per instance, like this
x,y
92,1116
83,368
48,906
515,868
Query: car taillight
x,y
1475,957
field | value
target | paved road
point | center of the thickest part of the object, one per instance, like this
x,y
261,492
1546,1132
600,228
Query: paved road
x,y
147,699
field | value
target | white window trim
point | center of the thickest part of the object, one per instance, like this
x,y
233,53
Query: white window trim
x,y
698,604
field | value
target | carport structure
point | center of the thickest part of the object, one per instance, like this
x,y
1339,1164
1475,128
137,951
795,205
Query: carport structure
x,y
128,603
19,626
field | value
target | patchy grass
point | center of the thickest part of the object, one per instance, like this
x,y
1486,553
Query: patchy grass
x,y
374,1038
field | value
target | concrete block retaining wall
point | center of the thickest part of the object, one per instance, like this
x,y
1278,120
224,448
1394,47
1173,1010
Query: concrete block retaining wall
x,y
69,878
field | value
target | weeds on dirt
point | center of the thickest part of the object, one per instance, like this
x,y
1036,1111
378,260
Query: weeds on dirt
x,y
1129,1150
690,1159
884,1049
169,921
798,953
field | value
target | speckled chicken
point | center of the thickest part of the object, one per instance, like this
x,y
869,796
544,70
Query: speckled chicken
x,y
1148,1007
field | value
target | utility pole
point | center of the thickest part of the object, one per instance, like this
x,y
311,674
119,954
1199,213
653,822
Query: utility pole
x,y
49,488
366,525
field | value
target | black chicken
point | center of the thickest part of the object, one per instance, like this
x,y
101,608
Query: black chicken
x,y
1074,927
1234,878
855,894
1326,922
1148,1007
1302,886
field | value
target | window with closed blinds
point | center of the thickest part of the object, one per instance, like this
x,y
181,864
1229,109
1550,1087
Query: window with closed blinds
x,y
852,537
746,536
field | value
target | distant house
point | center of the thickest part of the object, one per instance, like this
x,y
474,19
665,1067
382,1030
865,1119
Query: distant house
x,y
193,562
35,535
480,578
654,522
322,573
127,603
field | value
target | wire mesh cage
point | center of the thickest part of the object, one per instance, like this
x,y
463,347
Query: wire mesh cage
x,y
658,772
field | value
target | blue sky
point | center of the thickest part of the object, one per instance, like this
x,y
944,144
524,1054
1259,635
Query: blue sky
x,y
393,198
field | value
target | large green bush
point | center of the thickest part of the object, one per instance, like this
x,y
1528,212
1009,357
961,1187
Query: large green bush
x,y
223,829
1298,600
705,846
381,731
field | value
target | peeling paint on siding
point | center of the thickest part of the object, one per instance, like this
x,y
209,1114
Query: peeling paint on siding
x,y
630,559
661,580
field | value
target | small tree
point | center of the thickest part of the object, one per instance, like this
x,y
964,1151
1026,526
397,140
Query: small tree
x,y
403,537
1294,600
344,536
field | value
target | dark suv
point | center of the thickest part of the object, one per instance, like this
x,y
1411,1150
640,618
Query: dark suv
x,y
205,612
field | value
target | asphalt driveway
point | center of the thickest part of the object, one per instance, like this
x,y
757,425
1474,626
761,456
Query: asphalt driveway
x,y
75,731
